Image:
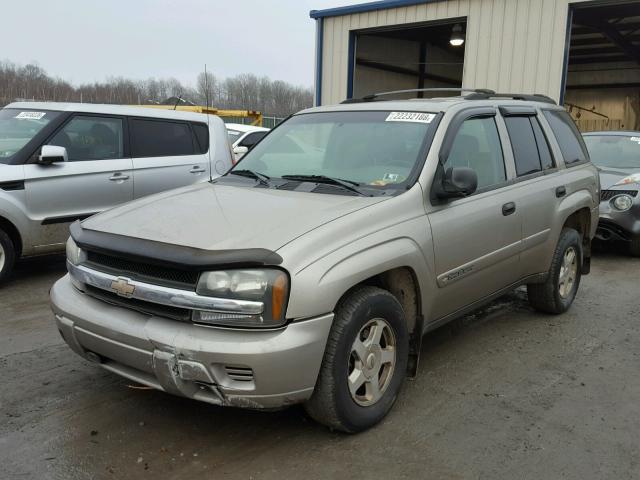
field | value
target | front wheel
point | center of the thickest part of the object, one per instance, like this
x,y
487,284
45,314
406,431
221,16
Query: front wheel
x,y
7,256
557,293
364,364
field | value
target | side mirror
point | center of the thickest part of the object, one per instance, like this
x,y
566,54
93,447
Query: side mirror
x,y
240,152
458,182
52,153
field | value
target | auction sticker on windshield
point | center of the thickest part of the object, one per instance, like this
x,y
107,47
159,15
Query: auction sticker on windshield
x,y
31,115
410,117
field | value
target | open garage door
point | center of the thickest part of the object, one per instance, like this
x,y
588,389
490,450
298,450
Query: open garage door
x,y
411,56
603,76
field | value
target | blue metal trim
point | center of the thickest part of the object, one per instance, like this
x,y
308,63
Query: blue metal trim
x,y
319,47
567,46
352,61
366,7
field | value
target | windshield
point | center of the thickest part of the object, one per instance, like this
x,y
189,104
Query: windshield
x,y
372,149
615,151
17,127
234,135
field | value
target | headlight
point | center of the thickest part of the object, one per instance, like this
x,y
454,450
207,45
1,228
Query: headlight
x,y
622,202
269,287
74,254
635,178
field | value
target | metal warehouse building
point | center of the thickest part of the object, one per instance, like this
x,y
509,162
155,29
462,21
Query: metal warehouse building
x,y
583,53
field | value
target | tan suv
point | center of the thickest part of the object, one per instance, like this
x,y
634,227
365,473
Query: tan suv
x,y
310,272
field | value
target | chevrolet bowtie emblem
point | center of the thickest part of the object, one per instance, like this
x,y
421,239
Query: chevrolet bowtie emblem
x,y
122,287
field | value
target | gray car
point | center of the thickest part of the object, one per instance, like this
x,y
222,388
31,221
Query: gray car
x,y
311,271
617,156
60,162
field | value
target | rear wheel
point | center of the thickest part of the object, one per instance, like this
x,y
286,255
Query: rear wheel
x,y
557,293
364,364
7,255
634,247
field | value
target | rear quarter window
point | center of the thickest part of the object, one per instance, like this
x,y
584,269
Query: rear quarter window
x,y
569,139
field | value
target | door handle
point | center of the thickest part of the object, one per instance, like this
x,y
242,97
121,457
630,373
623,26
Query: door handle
x,y
197,169
508,208
116,177
561,191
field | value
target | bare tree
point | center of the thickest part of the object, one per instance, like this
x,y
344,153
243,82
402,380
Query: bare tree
x,y
245,91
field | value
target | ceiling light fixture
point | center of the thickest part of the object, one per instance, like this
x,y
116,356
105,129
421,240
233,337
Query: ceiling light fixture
x,y
457,37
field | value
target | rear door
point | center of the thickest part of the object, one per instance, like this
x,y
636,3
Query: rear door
x,y
97,176
166,154
539,184
476,239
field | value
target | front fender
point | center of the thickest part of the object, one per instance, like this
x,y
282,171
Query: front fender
x,y
317,287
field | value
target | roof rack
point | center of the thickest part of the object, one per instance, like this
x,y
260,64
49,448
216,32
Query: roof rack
x,y
473,94
375,96
536,97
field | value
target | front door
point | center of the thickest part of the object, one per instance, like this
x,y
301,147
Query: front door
x,y
98,175
477,238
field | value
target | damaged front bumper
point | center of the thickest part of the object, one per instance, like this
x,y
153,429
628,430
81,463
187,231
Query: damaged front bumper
x,y
243,368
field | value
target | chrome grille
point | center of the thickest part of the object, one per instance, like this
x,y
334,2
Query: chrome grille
x,y
160,275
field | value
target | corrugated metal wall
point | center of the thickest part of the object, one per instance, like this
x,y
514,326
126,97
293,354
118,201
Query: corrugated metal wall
x,y
512,45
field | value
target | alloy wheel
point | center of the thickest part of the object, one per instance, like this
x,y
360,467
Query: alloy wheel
x,y
372,362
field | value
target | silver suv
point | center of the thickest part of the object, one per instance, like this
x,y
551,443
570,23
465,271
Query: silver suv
x,y
60,162
310,272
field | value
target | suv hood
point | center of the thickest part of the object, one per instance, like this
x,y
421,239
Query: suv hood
x,y
223,217
610,176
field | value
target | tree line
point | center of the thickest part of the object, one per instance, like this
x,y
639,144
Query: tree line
x,y
245,91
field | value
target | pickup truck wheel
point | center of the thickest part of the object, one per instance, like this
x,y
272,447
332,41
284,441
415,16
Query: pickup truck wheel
x,y
7,256
634,247
364,364
557,293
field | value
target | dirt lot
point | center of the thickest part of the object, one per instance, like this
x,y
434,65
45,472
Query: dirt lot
x,y
506,393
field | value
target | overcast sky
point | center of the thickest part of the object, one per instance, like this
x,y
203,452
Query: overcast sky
x,y
89,40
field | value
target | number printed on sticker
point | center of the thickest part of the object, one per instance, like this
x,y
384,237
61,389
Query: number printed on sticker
x,y
410,117
31,115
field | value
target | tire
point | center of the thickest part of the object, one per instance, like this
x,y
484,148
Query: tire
x,y
634,247
7,256
556,294
363,313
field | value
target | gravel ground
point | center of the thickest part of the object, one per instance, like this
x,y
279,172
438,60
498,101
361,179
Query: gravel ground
x,y
505,393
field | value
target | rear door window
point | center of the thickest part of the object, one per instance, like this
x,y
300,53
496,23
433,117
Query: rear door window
x,y
523,143
160,138
568,137
250,140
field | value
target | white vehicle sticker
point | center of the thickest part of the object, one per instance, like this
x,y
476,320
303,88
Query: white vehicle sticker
x,y
31,115
635,139
416,117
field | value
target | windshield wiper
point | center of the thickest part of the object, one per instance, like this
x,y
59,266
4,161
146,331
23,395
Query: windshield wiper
x,y
261,177
346,184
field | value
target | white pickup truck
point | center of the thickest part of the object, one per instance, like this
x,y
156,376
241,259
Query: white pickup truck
x,y
60,162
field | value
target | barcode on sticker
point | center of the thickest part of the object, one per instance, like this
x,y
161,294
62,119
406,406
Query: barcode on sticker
x,y
31,115
410,117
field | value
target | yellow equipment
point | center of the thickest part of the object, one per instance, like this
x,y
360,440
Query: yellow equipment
x,y
256,116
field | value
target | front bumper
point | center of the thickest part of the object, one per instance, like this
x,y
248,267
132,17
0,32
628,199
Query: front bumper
x,y
243,368
618,226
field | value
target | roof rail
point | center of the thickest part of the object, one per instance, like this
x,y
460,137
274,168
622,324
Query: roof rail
x,y
536,97
375,96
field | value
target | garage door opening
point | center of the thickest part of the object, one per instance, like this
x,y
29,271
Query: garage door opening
x,y
414,56
603,76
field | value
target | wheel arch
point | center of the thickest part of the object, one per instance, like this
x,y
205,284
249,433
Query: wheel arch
x,y
14,234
